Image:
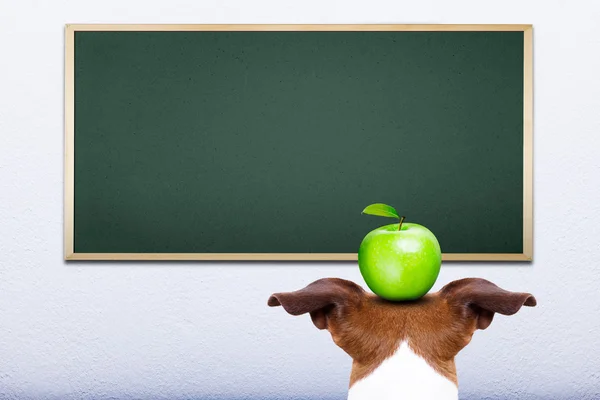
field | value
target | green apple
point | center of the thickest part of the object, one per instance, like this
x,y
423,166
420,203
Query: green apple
x,y
399,261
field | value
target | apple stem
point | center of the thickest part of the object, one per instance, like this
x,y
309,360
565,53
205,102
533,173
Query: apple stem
x,y
401,221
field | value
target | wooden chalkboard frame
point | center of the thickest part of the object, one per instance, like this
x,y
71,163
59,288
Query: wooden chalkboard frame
x,y
69,165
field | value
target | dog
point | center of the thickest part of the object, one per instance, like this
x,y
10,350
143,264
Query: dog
x,y
402,350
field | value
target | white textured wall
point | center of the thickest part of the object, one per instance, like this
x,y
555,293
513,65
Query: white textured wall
x,y
174,330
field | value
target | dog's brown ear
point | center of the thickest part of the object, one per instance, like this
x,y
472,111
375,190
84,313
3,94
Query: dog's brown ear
x,y
483,298
324,299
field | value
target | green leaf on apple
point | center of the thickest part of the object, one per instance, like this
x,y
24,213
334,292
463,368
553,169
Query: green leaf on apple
x,y
383,210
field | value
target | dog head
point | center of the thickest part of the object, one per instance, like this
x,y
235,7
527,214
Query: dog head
x,y
370,329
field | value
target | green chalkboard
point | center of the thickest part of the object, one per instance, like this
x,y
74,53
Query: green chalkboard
x,y
272,142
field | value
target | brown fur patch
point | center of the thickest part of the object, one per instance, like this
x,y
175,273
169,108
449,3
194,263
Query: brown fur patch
x,y
428,325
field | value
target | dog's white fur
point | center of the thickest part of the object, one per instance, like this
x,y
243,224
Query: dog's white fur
x,y
404,376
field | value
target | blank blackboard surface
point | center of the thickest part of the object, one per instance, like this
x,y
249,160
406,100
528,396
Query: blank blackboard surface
x,y
271,142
